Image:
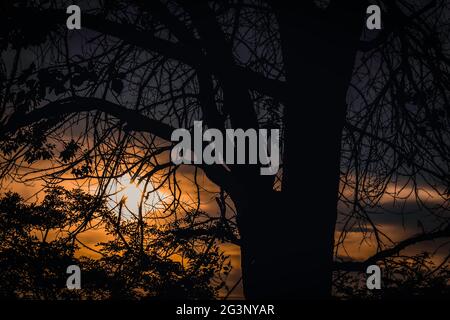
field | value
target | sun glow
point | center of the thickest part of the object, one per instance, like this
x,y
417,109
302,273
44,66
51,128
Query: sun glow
x,y
135,196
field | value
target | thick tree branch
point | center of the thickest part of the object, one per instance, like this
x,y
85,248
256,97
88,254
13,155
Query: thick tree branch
x,y
361,266
237,100
54,110
179,51
134,120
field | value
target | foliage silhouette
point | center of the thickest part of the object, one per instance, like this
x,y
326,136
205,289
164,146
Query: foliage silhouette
x,y
38,243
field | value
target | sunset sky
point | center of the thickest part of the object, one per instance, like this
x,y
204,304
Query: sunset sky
x,y
399,220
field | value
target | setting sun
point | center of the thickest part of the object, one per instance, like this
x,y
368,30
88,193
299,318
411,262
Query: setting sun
x,y
134,195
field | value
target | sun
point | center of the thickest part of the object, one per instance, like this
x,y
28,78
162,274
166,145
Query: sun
x,y
133,195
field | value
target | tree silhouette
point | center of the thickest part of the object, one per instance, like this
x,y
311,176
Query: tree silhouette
x,y
364,116
39,243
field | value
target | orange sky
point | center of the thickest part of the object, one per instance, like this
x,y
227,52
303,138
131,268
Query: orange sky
x,y
353,246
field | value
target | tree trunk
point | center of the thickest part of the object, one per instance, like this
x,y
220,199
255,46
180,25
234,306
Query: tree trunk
x,y
288,252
